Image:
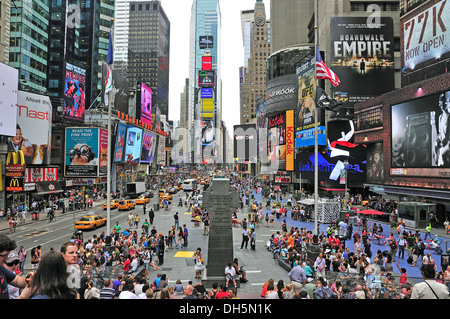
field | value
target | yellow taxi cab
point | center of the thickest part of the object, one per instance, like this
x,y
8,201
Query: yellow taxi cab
x,y
364,202
165,197
126,204
113,204
90,222
162,191
141,200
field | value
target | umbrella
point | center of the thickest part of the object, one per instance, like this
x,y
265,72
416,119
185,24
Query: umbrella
x,y
370,212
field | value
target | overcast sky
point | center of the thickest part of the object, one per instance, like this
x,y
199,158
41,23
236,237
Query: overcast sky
x,y
179,14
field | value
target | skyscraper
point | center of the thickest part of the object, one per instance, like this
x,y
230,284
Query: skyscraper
x,y
205,22
149,50
257,37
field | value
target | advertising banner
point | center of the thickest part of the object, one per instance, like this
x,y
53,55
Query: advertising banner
x,y
74,93
148,148
425,35
206,42
103,149
206,78
419,133
361,53
245,143
290,140
120,143
34,128
41,174
8,100
207,108
162,150
146,104
133,144
276,141
206,93
82,152
305,121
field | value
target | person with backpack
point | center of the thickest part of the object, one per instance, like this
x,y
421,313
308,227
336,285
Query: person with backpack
x,y
415,252
393,245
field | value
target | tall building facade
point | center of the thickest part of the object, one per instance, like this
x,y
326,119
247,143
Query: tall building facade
x,y
289,22
149,50
5,19
205,21
257,37
28,43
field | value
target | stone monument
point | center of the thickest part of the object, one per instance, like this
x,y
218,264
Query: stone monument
x,y
220,200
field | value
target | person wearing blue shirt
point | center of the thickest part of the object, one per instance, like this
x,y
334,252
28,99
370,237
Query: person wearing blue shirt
x,y
298,278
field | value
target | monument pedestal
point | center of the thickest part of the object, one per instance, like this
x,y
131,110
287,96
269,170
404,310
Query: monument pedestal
x,y
220,200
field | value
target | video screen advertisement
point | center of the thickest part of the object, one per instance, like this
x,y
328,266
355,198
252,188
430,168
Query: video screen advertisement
x,y
133,144
34,128
331,163
148,148
280,141
145,114
245,143
305,122
425,41
419,136
74,93
361,54
8,100
82,152
120,142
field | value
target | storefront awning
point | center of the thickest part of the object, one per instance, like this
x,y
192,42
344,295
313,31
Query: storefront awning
x,y
420,192
48,188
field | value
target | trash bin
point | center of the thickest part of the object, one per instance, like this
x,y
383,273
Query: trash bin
x,y
155,207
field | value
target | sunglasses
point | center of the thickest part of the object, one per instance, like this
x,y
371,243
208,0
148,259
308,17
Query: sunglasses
x,y
84,151
14,263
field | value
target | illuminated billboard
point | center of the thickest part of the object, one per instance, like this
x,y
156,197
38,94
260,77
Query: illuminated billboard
x,y
74,93
133,144
207,63
206,78
419,142
361,53
148,148
146,104
305,121
207,108
206,42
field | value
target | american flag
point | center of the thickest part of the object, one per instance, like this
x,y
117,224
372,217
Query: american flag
x,y
323,72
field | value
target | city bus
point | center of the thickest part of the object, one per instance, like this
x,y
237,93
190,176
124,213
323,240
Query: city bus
x,y
189,184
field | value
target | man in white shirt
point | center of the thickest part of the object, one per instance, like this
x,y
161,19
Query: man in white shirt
x,y
429,288
128,291
230,274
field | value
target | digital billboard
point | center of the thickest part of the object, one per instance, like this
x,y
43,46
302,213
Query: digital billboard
x,y
425,39
419,136
305,121
245,143
207,108
361,53
148,148
74,93
206,78
206,42
206,93
82,152
207,63
276,141
146,104
120,142
133,144
34,128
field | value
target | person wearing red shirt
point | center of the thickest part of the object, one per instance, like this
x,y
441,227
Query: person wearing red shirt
x,y
222,294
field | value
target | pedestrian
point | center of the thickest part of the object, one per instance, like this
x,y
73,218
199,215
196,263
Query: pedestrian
x,y
185,235
230,275
319,265
22,258
298,278
130,219
144,208
136,221
429,288
35,257
51,278
253,240
428,230
107,292
245,234
198,267
145,227
151,216
205,224
401,242
176,220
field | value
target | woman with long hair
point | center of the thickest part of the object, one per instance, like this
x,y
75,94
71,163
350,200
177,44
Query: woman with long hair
x,y
51,279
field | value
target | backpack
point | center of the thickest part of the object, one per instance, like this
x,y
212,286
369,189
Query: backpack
x,y
422,246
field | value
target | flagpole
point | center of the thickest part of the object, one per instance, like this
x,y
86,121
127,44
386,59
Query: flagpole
x,y
316,133
108,169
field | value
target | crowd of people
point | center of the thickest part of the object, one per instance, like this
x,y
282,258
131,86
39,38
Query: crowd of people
x,y
119,266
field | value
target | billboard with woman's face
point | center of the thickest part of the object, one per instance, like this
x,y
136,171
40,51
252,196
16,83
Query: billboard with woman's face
x,y
74,93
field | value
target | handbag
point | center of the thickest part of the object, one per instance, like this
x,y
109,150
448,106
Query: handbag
x,y
432,290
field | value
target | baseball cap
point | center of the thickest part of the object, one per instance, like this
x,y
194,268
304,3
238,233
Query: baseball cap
x,y
12,256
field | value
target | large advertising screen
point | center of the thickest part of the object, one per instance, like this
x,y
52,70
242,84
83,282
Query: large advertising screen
x,y
206,78
245,143
305,121
146,104
133,144
425,36
420,136
148,148
120,142
276,141
74,93
206,42
361,53
82,152
34,128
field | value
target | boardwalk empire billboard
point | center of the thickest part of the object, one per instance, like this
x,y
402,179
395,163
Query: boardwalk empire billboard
x,y
362,56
